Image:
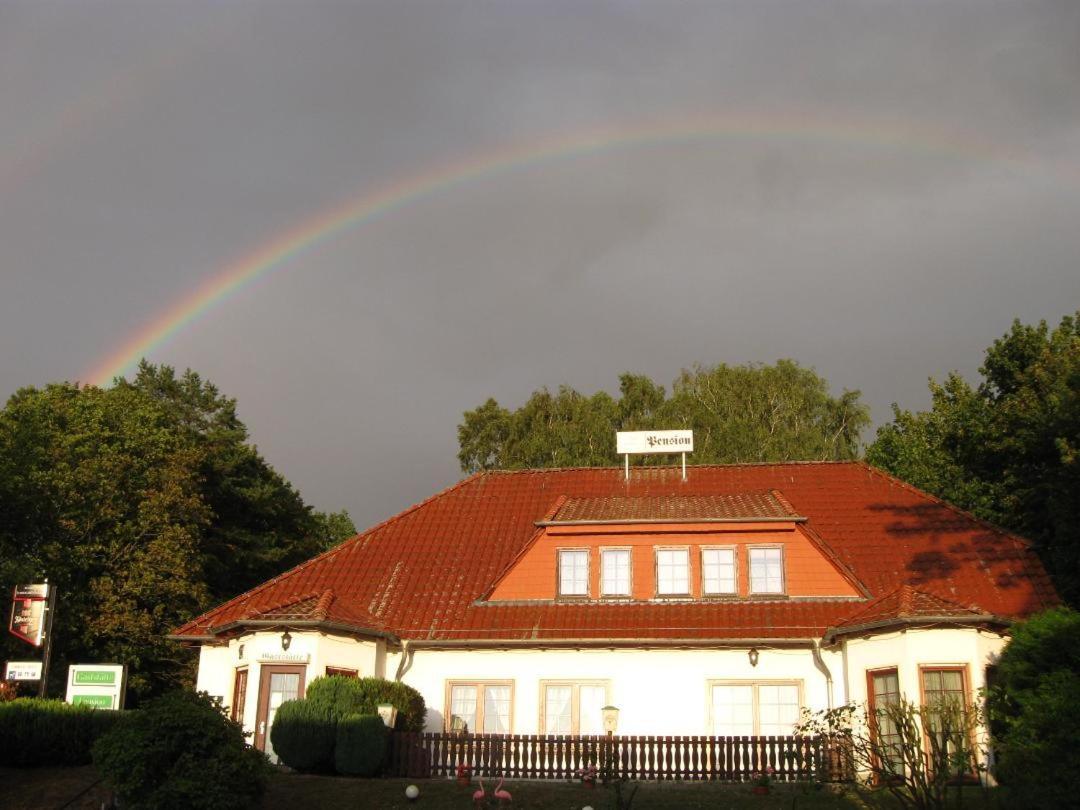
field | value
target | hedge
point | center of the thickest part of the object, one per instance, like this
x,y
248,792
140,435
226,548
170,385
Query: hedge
x,y
360,749
35,732
303,735
344,696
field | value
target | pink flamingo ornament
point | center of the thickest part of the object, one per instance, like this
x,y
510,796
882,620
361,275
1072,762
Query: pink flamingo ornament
x,y
479,797
503,795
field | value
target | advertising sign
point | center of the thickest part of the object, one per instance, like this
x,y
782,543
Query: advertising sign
x,y
22,671
640,442
28,613
99,685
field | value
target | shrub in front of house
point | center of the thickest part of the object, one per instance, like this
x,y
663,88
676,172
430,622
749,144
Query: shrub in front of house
x,y
304,734
180,750
35,732
344,696
360,749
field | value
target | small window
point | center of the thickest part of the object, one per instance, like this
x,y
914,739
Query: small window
x,y
766,570
573,708
573,572
884,694
480,707
615,572
345,673
672,572
239,695
717,571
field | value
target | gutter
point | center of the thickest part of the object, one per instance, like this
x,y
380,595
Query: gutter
x,y
915,621
609,643
287,624
670,521
819,662
406,659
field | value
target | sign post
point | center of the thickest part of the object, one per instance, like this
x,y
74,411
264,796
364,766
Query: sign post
x,y
32,610
641,442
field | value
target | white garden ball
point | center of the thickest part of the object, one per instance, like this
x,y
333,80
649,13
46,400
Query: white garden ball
x,y
411,792
587,807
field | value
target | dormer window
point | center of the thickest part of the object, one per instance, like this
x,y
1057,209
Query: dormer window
x,y
766,570
574,572
615,572
673,572
718,571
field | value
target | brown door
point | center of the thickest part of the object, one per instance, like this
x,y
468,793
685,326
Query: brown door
x,y
276,685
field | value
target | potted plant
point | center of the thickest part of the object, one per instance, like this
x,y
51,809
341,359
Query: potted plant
x,y
587,776
762,781
464,773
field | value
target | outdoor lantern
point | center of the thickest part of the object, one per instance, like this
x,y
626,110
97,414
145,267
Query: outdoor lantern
x,y
611,719
286,640
753,656
388,713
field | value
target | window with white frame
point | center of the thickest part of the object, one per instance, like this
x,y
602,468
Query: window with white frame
x,y
717,571
615,572
480,707
573,572
572,707
766,570
754,709
672,572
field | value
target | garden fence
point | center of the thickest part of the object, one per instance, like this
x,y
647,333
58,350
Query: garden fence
x,y
536,756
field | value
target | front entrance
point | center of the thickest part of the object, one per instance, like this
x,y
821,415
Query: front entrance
x,y
276,685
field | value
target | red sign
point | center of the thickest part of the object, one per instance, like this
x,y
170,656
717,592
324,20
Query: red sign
x,y
28,613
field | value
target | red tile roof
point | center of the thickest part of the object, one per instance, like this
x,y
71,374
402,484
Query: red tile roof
x,y
909,605
739,506
422,573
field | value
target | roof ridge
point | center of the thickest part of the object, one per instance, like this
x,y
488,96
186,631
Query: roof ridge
x,y
251,593
727,464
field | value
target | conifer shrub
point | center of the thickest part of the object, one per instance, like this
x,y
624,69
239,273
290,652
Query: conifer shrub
x,y
304,734
35,732
361,745
343,696
180,750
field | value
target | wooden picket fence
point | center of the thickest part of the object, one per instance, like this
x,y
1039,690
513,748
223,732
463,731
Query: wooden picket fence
x,y
533,756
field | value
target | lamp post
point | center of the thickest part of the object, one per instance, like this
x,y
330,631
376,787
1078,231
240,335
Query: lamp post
x,y
611,724
388,713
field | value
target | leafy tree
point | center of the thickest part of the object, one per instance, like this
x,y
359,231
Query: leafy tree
x,y
334,527
1007,449
739,413
144,504
1035,703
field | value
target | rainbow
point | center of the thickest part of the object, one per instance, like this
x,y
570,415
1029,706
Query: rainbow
x,y
280,251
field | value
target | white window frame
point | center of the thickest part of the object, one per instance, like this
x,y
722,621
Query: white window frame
x,y
735,569
755,698
480,686
558,572
575,699
629,572
689,573
749,569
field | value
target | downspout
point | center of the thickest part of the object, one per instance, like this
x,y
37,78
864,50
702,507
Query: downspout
x,y
406,659
819,662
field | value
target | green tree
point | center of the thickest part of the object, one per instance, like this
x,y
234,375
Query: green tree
x,y
1007,449
739,413
334,527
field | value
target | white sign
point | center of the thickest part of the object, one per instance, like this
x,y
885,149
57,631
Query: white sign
x,y
269,657
22,671
101,686
639,442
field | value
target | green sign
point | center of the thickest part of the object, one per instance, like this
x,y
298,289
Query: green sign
x,y
96,701
95,676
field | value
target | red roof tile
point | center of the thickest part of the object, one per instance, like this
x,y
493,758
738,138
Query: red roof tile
x,y
739,506
907,603
422,573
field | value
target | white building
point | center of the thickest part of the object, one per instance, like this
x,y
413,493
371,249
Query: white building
x,y
723,604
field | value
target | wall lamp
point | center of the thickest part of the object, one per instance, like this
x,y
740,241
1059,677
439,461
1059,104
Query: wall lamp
x,y
753,655
286,640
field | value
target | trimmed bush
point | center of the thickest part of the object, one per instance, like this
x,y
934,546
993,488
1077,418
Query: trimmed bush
x,y
303,735
344,696
180,750
361,745
37,732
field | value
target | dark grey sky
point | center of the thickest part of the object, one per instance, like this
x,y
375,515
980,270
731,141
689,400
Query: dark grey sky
x,y
144,146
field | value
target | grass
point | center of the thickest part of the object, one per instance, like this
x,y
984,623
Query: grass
x,y
49,788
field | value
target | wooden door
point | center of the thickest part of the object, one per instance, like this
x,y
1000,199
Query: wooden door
x,y
276,685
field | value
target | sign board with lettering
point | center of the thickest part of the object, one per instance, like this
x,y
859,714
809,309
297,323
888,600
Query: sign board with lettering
x,y
271,657
28,613
22,671
640,442
99,685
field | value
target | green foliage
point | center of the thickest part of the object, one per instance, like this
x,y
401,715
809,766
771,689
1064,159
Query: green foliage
x,y
303,735
739,413
344,696
1036,704
37,732
334,527
144,504
180,750
361,745
1009,449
